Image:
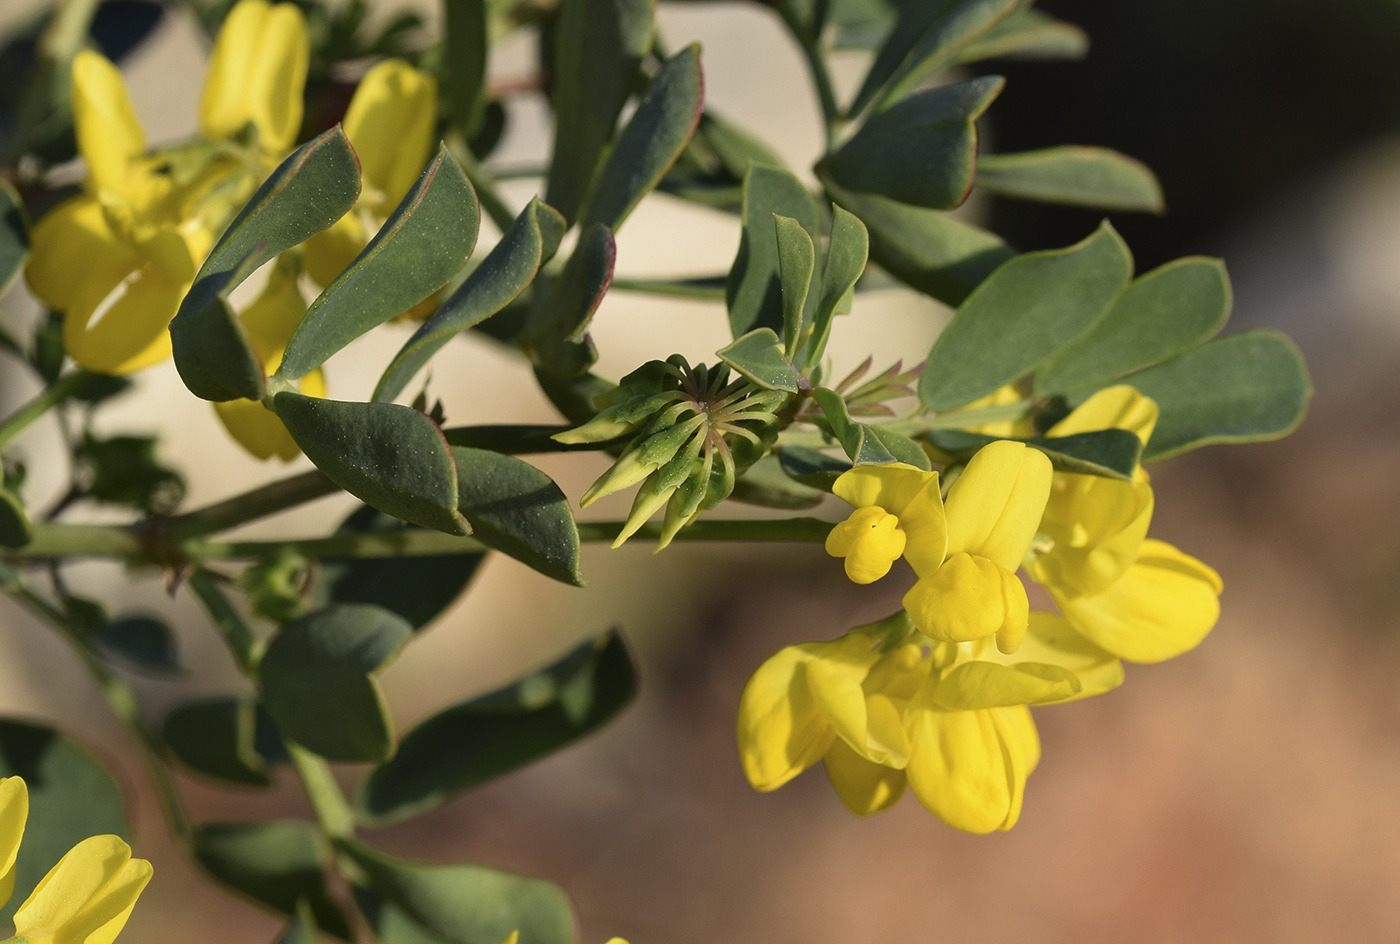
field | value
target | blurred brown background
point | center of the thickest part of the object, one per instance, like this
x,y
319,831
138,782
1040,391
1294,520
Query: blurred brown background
x,y
1246,792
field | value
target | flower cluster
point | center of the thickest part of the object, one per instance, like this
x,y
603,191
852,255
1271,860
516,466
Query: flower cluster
x,y
936,697
117,259
86,898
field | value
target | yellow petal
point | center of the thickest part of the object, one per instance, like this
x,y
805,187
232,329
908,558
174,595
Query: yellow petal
x,y
1052,640
274,315
257,73
1021,746
1002,429
512,938
961,771
74,249
781,730
14,812
994,507
982,684
390,123
327,254
1097,525
889,486
131,333
87,897
108,132
1117,407
968,598
869,540
1164,605
865,787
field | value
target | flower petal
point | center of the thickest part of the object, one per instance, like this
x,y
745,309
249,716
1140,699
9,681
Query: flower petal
x,y
131,333
994,507
1097,525
390,124
958,768
87,897
1117,407
74,250
108,132
329,252
980,684
1164,605
865,787
14,812
969,598
781,731
890,486
257,73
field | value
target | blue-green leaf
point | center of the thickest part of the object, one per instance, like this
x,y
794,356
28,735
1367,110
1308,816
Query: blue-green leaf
x,y
1080,176
475,741
797,258
812,467
845,261
753,293
654,137
506,271
759,356
1027,34
1031,308
920,151
419,248
855,438
227,738
464,61
561,346
518,510
386,455
15,529
317,686
1111,453
14,235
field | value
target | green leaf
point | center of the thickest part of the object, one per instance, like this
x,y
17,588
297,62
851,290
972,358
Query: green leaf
x,y
475,741
418,589
1246,387
317,185
854,437
900,446
796,261
1027,34
767,485
14,235
419,248
1080,176
652,140
317,686
812,467
277,864
464,61
929,251
753,294
1024,313
1166,312
926,37
15,529
759,356
518,510
144,641
562,345
302,929
71,797
419,902
506,271
226,738
1111,453
598,50
124,470
922,150
845,261
386,455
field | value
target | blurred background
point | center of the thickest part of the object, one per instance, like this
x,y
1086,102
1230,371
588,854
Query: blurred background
x,y
1244,792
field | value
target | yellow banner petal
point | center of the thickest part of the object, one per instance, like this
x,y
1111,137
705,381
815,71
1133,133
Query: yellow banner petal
x,y
390,123
108,132
995,506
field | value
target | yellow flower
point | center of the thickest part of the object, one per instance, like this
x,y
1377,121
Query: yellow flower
x,y
14,812
86,898
1140,599
117,260
390,124
270,322
965,553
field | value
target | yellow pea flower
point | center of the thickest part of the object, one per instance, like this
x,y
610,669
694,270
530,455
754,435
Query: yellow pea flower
x,y
256,75
14,812
86,898
1116,407
390,124
965,552
269,322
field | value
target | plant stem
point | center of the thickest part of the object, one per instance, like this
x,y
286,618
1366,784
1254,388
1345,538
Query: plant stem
x,y
245,646
709,289
122,700
56,393
251,505
816,65
333,813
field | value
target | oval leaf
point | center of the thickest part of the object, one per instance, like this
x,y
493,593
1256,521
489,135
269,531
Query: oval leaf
x,y
845,261
855,438
652,140
560,344
922,150
1027,34
1079,176
518,510
506,271
14,235
71,797
753,293
316,685
419,248
797,259
759,356
1166,312
1111,453
144,641
224,738
477,740
387,455
1246,387
1025,312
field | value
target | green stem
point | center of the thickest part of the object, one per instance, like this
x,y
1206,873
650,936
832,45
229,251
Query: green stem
x,y
245,646
60,390
816,65
251,505
517,440
122,700
491,201
709,289
333,812
52,541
